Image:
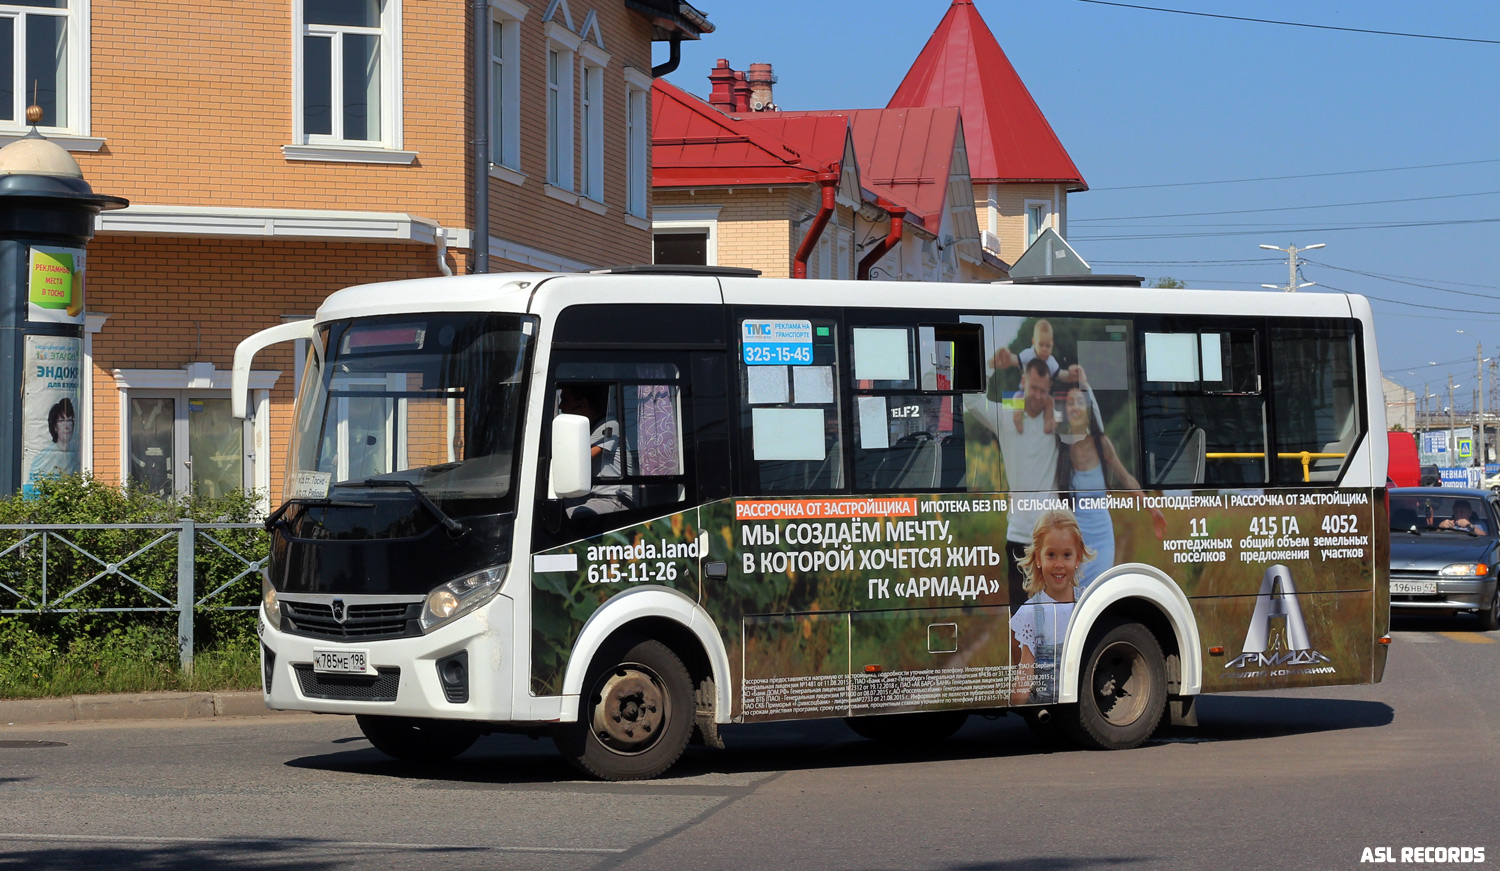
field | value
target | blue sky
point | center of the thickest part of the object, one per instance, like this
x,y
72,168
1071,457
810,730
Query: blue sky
x,y
1143,99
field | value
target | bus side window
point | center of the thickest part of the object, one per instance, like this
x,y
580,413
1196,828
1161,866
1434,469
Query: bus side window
x,y
790,419
1203,414
1316,400
909,420
639,467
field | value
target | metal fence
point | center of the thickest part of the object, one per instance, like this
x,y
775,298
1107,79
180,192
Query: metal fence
x,y
110,561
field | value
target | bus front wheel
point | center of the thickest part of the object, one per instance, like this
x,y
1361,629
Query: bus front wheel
x,y
1122,692
416,740
635,715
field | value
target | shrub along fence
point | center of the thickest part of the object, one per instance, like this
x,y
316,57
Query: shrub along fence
x,y
85,565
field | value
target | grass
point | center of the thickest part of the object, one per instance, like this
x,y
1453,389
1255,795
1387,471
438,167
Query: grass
x,y
73,675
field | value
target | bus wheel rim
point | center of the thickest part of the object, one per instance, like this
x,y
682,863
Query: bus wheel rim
x,y
632,709
1121,684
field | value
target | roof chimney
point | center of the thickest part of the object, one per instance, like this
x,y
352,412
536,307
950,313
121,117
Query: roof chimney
x,y
741,93
721,77
761,79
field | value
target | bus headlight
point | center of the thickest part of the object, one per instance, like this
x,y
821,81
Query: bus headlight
x,y
269,603
457,598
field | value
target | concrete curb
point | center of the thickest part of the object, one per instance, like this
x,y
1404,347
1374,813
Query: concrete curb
x,y
133,706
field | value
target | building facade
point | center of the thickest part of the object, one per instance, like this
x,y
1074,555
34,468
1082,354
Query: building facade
x,y
274,152
952,181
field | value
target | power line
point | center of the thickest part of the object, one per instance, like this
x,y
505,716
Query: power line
x,y
1397,279
1282,208
1411,304
1371,226
1410,284
1244,262
1422,366
1178,184
1298,23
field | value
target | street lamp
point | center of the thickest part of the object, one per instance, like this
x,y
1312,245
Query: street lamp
x,y
1292,267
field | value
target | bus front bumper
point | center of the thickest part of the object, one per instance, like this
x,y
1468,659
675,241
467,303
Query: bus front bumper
x,y
402,676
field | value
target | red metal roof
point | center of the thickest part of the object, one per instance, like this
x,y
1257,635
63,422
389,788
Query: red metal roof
x,y
695,145
1008,138
905,155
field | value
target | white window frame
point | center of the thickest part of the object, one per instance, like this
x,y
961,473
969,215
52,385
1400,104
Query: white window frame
x,y
1033,229
690,219
75,69
390,82
203,380
591,94
505,100
638,144
395,421
559,104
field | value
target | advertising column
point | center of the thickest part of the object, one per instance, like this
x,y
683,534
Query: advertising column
x,y
47,214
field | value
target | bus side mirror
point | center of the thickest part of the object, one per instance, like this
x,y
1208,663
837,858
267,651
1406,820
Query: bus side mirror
x,y
572,467
244,355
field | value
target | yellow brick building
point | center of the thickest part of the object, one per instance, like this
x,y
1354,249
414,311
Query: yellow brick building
x,y
273,152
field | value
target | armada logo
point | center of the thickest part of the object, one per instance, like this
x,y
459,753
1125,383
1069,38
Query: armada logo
x,y
1278,635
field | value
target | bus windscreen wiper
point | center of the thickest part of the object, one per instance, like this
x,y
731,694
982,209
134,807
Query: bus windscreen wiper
x,y
454,528
275,519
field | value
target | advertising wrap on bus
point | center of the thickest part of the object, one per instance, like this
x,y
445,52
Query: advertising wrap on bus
x,y
859,605
627,509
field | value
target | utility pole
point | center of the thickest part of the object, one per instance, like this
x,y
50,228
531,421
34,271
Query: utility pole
x,y
1292,266
1479,405
1451,439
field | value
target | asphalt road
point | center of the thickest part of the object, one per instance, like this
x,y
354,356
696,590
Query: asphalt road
x,y
1294,780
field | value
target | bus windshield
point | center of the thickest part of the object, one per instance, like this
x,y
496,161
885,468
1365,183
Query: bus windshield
x,y
431,400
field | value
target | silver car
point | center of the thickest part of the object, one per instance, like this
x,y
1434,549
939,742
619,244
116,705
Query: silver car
x,y
1445,552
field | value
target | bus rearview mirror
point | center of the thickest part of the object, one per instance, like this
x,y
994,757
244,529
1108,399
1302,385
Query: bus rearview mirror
x,y
571,463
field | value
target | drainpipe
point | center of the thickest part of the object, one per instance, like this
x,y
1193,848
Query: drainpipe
x,y
480,244
891,240
442,251
673,59
829,183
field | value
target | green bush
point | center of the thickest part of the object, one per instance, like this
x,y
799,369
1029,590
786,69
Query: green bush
x,y
67,648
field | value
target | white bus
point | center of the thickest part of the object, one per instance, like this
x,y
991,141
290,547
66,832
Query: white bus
x,y
627,508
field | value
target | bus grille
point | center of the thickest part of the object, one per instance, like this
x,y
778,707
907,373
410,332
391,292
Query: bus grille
x,y
348,687
361,622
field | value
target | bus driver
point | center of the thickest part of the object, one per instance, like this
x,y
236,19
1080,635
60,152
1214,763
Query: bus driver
x,y
592,402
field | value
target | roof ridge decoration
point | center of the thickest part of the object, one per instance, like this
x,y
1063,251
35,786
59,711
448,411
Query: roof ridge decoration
x,y
591,22
1008,137
567,16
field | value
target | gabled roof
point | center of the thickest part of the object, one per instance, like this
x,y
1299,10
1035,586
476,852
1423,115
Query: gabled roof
x,y
1008,138
905,155
695,145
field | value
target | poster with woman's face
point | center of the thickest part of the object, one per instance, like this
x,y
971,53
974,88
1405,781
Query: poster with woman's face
x,y
51,397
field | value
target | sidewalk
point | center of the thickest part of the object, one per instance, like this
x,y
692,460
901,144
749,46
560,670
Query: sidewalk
x,y
133,706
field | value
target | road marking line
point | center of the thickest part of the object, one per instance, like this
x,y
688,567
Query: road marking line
x,y
116,839
1468,637
1416,637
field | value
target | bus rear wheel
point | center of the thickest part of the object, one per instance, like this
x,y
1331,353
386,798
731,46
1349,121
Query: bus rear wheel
x,y
1122,692
635,715
927,727
411,739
